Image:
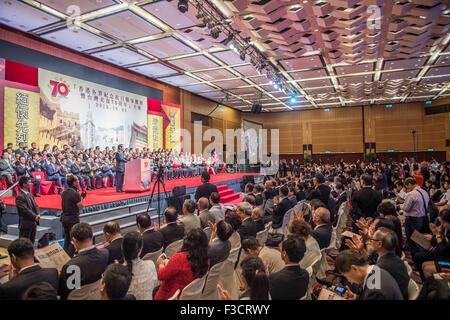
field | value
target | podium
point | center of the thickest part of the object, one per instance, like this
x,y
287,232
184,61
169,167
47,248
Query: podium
x,y
137,175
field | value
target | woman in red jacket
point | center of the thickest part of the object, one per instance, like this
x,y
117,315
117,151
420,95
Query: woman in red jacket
x,y
185,266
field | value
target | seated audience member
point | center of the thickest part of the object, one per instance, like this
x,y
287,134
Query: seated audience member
x,y
303,230
444,201
235,222
250,198
291,195
259,222
427,262
189,220
387,210
52,173
219,243
113,236
216,208
355,268
248,226
254,279
290,283
436,289
172,231
384,243
206,188
269,190
6,169
322,227
25,272
41,291
185,266
23,170
270,256
152,240
143,273
300,194
258,192
282,205
91,261
115,283
203,213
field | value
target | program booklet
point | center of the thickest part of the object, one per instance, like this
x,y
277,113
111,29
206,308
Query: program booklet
x,y
52,256
419,238
326,294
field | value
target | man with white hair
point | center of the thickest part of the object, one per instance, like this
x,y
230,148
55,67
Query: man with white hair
x,y
248,226
322,230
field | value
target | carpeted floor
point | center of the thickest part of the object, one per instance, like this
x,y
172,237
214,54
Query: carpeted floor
x,y
106,195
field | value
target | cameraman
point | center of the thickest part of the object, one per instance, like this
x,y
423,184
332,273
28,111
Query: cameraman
x,y
72,203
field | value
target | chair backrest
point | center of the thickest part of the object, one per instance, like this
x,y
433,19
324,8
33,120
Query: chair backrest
x,y
262,235
408,268
89,291
413,290
286,219
173,248
193,291
153,256
175,295
210,289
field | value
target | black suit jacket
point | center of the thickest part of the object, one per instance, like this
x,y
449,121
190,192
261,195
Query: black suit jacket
x,y
324,193
397,269
260,226
270,193
247,229
27,210
279,211
290,283
16,287
92,264
365,203
388,288
205,190
172,232
342,198
322,234
151,241
115,251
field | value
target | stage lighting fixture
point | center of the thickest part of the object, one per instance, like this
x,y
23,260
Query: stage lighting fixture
x,y
183,5
215,32
231,46
293,100
276,86
242,55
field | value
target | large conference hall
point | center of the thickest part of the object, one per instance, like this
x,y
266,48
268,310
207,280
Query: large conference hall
x,y
240,151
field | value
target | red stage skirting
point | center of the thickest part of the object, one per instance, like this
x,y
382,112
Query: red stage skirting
x,y
105,195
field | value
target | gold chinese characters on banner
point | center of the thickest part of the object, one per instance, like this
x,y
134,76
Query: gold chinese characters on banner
x,y
21,116
173,130
155,131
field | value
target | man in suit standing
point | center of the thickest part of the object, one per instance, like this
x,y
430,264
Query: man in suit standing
x,y
323,229
282,205
23,170
120,168
203,213
189,219
6,169
319,184
24,272
90,261
269,191
365,201
27,210
292,281
384,243
172,231
248,226
377,283
52,173
112,234
342,195
72,203
206,188
152,239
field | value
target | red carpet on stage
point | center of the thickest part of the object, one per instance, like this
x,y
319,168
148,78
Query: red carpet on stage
x,y
105,195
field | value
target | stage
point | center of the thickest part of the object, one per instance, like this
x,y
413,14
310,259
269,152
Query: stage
x,y
100,198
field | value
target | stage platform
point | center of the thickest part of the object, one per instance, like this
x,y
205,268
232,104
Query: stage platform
x,y
106,204
109,195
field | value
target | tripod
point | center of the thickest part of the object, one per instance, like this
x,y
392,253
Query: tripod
x,y
159,182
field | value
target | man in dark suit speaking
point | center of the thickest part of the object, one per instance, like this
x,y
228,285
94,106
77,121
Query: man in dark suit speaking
x,y
27,210
120,168
206,188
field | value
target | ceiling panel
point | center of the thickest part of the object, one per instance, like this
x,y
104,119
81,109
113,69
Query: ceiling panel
x,y
438,71
154,70
199,87
66,6
230,84
404,63
355,79
120,56
318,73
167,11
165,47
358,68
215,74
247,71
178,80
125,26
77,39
302,63
22,16
194,63
399,75
230,57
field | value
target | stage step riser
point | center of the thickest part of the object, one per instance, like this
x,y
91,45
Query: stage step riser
x,y
226,193
40,231
113,213
96,227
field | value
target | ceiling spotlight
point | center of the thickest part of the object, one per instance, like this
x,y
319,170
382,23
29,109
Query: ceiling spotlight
x,y
215,32
242,55
276,86
293,100
231,46
183,5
